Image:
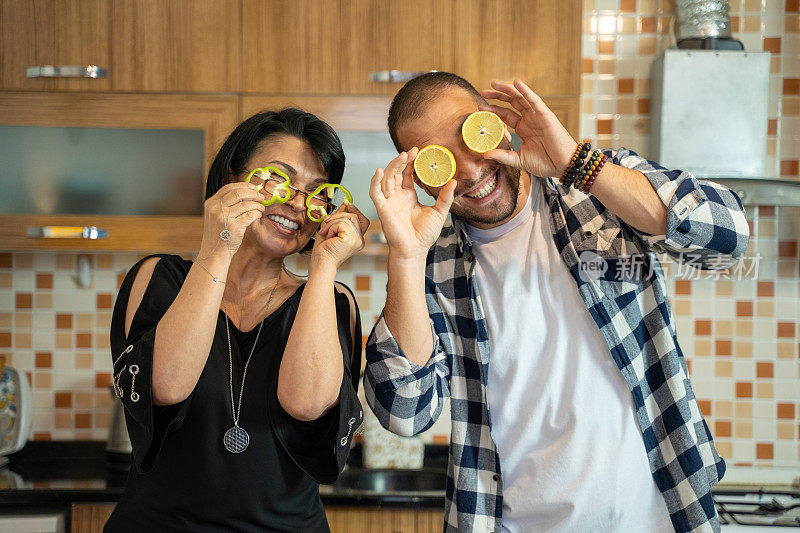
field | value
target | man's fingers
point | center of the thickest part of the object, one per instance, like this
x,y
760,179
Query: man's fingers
x,y
445,198
408,172
375,190
534,99
504,157
515,97
389,176
509,116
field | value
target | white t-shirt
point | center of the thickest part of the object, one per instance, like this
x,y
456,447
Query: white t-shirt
x,y
571,453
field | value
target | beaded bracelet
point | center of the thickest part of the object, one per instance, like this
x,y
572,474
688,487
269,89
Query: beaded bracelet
x,y
575,164
590,171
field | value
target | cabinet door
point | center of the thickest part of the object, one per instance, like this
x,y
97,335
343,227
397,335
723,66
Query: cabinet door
x,y
90,517
538,41
313,47
53,32
176,45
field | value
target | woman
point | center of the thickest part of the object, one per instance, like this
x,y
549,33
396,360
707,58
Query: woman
x,y
239,378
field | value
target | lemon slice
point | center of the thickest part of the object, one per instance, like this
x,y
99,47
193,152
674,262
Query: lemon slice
x,y
482,131
435,165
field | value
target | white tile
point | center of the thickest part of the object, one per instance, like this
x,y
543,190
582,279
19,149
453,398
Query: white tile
x,y
786,391
764,430
42,420
42,400
44,340
589,46
607,5
44,260
744,369
743,450
764,410
24,280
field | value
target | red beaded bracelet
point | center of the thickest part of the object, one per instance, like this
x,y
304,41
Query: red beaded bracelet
x,y
591,177
586,171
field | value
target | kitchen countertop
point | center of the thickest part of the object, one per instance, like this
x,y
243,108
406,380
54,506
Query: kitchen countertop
x,y
56,474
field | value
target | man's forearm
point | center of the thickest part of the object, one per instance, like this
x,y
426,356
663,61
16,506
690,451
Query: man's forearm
x,y
406,313
629,195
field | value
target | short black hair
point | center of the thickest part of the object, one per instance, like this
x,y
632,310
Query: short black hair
x,y
240,145
243,141
410,100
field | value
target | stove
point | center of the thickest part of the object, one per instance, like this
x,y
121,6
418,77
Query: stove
x,y
753,510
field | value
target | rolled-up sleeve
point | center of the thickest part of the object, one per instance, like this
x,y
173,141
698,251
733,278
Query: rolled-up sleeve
x,y
706,222
132,358
407,398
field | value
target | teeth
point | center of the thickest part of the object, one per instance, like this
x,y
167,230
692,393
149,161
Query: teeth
x,y
284,222
485,190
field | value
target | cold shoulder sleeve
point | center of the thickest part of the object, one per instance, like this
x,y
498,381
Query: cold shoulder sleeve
x,y
321,447
132,358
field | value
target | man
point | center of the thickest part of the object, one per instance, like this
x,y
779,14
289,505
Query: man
x,y
570,399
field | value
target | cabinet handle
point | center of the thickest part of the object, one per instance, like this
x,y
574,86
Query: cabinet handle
x,y
63,71
67,232
394,76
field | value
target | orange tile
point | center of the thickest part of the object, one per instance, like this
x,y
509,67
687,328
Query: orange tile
x,y
83,340
120,279
63,340
102,379
786,329
24,300
627,6
723,369
744,308
625,85
83,420
63,400
362,283
785,431
6,260
643,106
765,390
104,301
787,249
785,350
647,24
441,439
63,420
702,327
63,321
791,85
792,6
772,44
723,408
6,280
647,45
605,45
683,286
625,106
766,288
5,339
765,369
724,287
42,380
705,407
723,328
44,360
44,281
605,126
23,260
743,349
786,410
83,360
764,450
83,400
724,347
789,167
792,24
790,105
43,300
23,340
627,25
702,347
744,410
744,389
744,430
722,428
588,65
724,448
41,435
105,261
772,126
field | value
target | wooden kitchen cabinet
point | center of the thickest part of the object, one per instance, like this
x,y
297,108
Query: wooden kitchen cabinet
x,y
90,517
175,45
312,47
53,32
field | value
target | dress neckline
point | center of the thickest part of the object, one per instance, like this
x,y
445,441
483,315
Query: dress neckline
x,y
268,317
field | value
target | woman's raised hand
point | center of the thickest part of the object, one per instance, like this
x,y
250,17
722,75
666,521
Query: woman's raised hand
x,y
340,235
226,216
410,227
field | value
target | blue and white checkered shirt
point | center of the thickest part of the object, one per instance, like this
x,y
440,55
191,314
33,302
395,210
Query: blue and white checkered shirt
x,y
705,221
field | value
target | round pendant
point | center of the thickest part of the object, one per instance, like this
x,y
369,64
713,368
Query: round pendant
x,y
225,235
236,440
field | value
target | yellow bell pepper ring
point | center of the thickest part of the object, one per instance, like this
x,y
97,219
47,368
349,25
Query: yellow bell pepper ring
x,y
282,193
330,191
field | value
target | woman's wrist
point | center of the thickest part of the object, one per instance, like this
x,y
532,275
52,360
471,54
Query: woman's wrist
x,y
322,268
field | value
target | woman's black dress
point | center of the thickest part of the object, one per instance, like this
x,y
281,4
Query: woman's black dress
x,y
182,478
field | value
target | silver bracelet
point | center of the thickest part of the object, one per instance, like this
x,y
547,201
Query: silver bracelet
x,y
215,278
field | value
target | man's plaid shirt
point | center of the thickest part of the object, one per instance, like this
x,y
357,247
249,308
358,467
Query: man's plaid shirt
x,y
705,221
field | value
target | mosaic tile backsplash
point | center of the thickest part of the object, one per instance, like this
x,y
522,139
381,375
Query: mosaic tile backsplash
x,y
740,337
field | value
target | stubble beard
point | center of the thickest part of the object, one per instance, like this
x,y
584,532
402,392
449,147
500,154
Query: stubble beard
x,y
499,210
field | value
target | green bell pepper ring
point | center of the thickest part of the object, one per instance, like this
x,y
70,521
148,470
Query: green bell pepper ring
x,y
282,193
330,190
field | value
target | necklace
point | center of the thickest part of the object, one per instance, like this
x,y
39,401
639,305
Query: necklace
x,y
236,438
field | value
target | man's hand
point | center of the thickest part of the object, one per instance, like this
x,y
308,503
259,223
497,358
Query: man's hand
x,y
546,145
410,227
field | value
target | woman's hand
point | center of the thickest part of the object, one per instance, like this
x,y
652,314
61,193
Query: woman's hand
x,y
340,236
410,227
546,145
228,214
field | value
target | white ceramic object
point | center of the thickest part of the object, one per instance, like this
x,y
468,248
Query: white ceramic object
x,y
15,410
